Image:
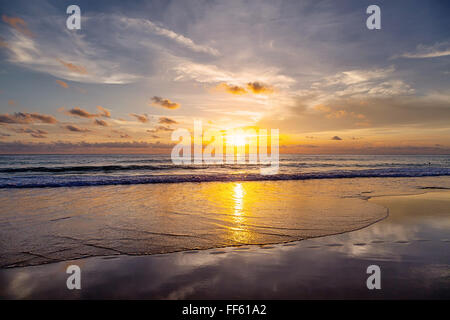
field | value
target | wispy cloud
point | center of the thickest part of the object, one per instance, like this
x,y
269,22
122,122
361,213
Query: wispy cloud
x,y
441,49
349,113
65,55
205,73
88,57
291,66
18,24
362,82
180,39
72,67
62,83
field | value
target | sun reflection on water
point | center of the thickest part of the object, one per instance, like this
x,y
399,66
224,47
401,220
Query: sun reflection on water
x,y
238,198
240,232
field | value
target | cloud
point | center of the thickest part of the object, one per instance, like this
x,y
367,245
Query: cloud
x,y
165,103
3,44
3,134
351,77
427,55
165,120
41,117
142,118
83,147
101,123
344,114
232,89
115,49
302,116
160,129
122,135
28,130
441,49
74,128
259,88
72,67
253,87
207,73
163,128
147,25
20,117
104,112
12,102
362,83
78,112
67,55
334,148
62,83
18,24
344,67
35,133
15,118
336,138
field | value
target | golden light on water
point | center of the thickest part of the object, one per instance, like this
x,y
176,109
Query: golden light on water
x,y
239,231
238,197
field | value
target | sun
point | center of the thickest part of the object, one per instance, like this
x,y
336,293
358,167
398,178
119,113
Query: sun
x,y
236,139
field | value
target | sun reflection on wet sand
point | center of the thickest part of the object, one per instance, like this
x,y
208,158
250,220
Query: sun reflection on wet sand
x,y
420,220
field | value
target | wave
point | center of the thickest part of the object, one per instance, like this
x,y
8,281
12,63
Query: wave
x,y
40,181
156,167
105,168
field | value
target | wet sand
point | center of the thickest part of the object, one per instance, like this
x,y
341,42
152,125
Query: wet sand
x,y
48,225
411,246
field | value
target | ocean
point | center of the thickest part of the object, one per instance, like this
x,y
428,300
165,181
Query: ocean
x,y
34,171
63,207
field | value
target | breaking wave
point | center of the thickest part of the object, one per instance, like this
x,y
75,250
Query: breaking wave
x,y
44,181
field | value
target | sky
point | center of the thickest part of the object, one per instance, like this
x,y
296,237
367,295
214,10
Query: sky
x,y
137,70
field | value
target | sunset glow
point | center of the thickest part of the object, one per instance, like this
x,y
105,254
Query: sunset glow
x,y
237,140
77,95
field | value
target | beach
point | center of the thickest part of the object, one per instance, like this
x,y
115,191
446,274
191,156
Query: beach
x,y
321,252
224,150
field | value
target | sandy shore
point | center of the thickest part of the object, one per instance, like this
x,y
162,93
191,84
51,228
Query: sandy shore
x,y
411,247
